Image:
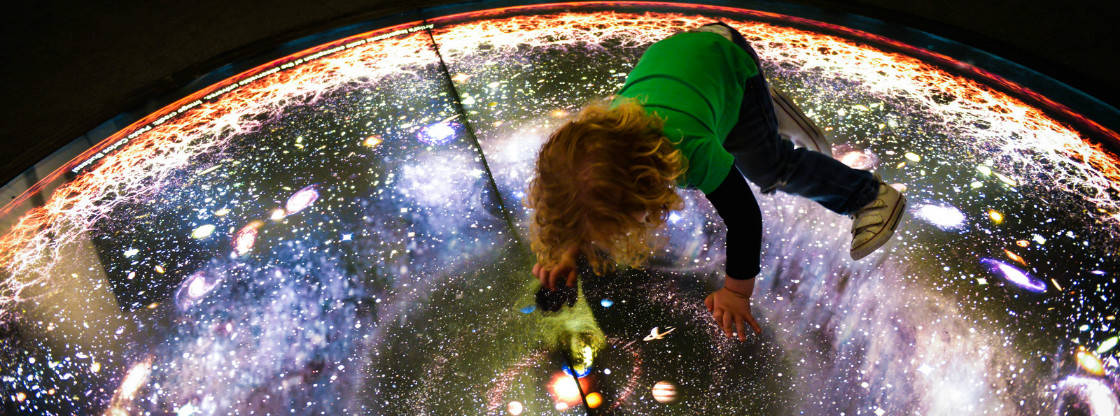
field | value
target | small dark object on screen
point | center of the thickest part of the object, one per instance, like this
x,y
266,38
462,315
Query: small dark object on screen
x,y
553,300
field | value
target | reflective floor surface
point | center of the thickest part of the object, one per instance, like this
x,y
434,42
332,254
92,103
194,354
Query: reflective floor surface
x,y
342,231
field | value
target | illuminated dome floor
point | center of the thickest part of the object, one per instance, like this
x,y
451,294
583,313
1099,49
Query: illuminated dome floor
x,y
341,231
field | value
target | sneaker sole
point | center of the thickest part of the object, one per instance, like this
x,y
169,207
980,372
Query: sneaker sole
x,y
875,241
794,123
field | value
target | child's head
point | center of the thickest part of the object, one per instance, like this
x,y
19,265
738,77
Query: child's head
x,y
605,181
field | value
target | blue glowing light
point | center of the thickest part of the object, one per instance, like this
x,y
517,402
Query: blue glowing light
x,y
1014,275
606,303
580,374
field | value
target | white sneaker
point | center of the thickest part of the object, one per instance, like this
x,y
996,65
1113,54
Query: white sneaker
x,y
874,224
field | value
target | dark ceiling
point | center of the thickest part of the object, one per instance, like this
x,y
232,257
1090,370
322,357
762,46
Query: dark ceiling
x,y
68,66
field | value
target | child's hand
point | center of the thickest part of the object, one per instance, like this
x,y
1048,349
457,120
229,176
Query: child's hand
x,y
566,270
731,307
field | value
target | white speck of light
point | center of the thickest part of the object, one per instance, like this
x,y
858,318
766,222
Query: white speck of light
x,y
674,217
925,369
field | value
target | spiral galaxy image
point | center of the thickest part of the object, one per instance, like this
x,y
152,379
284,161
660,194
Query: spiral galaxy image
x,y
344,231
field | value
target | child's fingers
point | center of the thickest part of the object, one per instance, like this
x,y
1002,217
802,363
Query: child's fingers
x,y
709,302
572,278
728,324
754,325
739,329
537,272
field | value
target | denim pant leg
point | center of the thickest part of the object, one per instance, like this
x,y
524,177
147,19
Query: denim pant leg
x,y
773,163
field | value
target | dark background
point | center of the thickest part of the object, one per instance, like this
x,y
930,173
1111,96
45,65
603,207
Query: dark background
x,y
68,66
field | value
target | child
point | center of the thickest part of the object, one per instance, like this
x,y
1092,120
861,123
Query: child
x,y
695,109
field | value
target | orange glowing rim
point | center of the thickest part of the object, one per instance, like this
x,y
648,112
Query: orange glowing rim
x,y
172,134
924,54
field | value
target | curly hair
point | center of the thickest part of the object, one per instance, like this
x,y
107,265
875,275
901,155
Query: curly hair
x,y
596,176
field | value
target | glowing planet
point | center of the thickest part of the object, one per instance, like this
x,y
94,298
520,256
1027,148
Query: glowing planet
x,y
515,408
606,303
594,400
1014,275
664,392
303,198
579,372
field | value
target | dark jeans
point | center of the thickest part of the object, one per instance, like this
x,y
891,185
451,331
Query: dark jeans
x,y
773,163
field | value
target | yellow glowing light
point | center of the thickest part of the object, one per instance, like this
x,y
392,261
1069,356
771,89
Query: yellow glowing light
x,y
1090,363
203,231
515,408
221,212
278,214
1023,243
135,378
565,390
95,367
559,113
160,269
153,305
912,157
1015,257
21,397
594,400
460,77
995,216
372,141
984,170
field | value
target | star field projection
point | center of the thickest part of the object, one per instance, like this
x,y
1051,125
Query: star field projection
x,y
319,235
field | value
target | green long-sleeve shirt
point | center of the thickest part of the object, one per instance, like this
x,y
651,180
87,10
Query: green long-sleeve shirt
x,y
695,81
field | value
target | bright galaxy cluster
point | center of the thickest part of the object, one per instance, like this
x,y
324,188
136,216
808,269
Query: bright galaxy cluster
x,y
342,232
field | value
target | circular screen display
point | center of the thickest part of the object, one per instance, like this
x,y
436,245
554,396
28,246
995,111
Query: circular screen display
x,y
344,231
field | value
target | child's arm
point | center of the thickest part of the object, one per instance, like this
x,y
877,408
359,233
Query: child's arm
x,y
565,269
731,305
